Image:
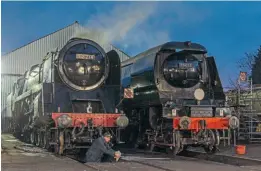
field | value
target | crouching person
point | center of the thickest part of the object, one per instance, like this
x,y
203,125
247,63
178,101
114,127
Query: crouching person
x,y
100,147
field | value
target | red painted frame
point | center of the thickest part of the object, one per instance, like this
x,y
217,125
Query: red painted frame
x,y
212,123
99,119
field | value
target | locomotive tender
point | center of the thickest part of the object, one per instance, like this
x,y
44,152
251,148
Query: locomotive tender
x,y
69,99
174,97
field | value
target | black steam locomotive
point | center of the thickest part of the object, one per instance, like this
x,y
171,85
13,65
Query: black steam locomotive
x,y
174,98
69,99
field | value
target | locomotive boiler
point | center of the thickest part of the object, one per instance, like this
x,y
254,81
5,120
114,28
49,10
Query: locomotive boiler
x,y
174,98
69,99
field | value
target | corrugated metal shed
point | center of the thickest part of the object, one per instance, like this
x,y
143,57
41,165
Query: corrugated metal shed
x,y
19,60
6,87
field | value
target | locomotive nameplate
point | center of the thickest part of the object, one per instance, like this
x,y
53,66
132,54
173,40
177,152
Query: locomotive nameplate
x,y
85,56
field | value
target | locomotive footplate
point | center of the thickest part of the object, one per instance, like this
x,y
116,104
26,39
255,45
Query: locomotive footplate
x,y
196,123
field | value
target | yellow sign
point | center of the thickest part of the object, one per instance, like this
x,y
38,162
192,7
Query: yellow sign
x,y
85,56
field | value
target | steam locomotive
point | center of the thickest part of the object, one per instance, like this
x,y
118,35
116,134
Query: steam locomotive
x,y
69,99
174,99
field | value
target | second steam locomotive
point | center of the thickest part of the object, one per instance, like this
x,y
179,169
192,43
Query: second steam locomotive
x,y
174,99
69,99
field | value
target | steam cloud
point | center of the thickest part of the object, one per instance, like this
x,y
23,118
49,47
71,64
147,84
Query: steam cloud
x,y
140,25
124,25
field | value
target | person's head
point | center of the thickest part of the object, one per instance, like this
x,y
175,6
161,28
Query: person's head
x,y
107,136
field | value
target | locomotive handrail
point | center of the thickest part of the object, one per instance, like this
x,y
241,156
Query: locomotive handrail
x,y
28,93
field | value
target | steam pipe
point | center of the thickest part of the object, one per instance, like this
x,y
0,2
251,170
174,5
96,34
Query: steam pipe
x,y
81,131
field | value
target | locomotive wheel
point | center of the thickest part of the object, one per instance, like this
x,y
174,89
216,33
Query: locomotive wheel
x,y
27,137
56,146
212,137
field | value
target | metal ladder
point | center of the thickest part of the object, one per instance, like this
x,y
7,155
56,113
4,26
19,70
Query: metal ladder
x,y
250,121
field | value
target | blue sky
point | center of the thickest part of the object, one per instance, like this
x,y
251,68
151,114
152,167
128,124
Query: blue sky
x,y
226,29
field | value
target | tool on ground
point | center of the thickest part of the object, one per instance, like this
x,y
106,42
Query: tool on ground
x,y
117,158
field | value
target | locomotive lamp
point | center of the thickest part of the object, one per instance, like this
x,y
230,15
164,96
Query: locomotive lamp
x,y
174,112
89,108
233,122
122,121
64,121
199,95
81,70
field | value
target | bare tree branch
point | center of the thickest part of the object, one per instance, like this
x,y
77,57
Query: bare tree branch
x,y
246,63
234,84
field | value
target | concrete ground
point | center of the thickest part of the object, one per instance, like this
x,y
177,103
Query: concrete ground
x,y
18,160
252,151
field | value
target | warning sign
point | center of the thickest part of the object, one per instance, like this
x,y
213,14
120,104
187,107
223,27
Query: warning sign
x,y
243,76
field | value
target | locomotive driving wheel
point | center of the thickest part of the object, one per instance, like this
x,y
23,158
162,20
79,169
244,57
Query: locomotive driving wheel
x,y
212,140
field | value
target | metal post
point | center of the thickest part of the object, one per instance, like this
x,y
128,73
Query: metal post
x,y
251,108
239,112
251,89
234,135
238,92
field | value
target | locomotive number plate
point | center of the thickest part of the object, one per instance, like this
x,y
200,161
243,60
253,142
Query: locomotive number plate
x,y
185,65
85,56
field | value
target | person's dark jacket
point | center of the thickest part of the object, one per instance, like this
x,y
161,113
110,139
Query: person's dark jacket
x,y
98,148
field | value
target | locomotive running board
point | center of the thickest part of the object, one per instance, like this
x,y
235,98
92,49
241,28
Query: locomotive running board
x,y
82,146
120,142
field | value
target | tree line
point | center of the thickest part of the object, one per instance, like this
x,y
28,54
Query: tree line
x,y
251,63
